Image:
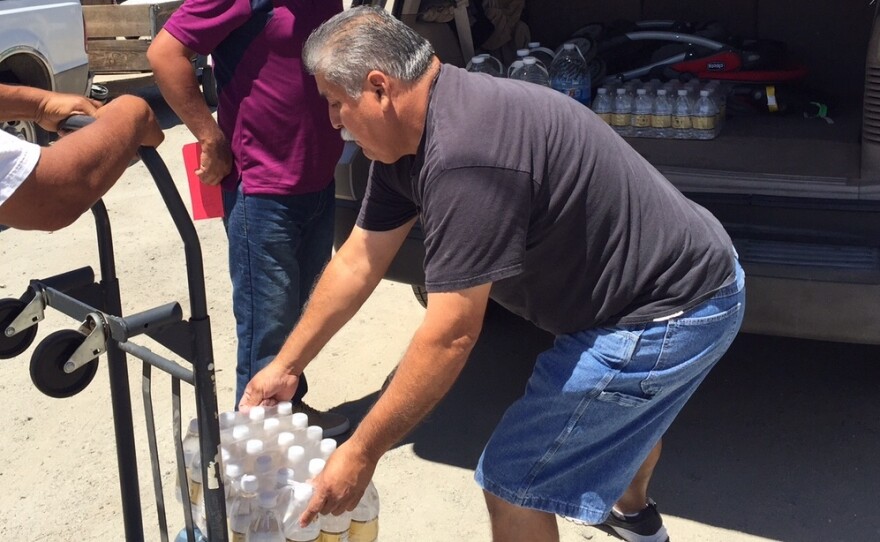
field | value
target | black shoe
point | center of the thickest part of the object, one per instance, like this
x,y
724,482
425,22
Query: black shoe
x,y
646,526
332,423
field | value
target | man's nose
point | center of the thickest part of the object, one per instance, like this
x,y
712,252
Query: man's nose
x,y
335,119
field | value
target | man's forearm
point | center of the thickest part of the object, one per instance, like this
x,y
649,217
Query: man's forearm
x,y
176,79
21,102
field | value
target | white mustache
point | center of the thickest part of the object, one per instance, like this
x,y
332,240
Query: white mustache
x,y
346,135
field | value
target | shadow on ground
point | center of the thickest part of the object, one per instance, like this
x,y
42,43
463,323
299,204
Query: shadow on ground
x,y
781,441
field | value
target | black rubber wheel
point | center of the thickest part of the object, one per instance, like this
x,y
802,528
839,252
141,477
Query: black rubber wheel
x,y
10,347
47,365
421,295
209,86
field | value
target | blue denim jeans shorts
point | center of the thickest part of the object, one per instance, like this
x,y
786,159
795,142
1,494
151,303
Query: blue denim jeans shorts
x,y
598,402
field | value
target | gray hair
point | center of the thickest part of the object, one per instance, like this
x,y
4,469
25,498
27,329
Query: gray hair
x,y
357,41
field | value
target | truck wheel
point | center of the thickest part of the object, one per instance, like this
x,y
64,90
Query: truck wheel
x,y
209,86
26,130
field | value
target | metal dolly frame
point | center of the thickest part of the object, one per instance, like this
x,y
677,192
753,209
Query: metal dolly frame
x,y
65,362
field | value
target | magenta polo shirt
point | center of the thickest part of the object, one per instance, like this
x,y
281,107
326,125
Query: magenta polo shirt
x,y
269,108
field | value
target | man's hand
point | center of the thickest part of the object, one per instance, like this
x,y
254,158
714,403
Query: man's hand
x,y
215,162
55,107
268,387
341,484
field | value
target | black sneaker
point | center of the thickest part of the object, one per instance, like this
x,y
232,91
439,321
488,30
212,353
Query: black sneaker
x,y
332,423
646,526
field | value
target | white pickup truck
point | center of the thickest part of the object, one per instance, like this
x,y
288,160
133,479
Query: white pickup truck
x,y
42,44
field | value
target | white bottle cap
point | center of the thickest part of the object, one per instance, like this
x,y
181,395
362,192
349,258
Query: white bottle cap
x,y
194,426
601,90
568,46
621,91
303,492
641,91
682,92
299,420
533,44
477,60
286,439
225,455
285,408
314,433
316,465
241,432
661,92
704,93
254,447
271,425
295,456
529,60
327,447
257,414
249,483
233,470
268,499
522,52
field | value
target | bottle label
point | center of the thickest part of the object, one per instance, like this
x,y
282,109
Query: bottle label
x,y
195,493
641,121
704,123
681,122
364,531
620,119
661,121
238,537
334,537
606,117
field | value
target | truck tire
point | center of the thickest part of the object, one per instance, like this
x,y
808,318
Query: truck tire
x,y
209,86
27,130
421,295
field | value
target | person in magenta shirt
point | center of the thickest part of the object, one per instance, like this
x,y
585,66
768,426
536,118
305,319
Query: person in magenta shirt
x,y
273,150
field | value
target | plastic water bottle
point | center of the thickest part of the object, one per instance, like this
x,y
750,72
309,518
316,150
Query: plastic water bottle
x,y
532,72
570,75
242,508
661,115
302,493
497,66
298,461
365,517
622,112
326,447
681,115
190,444
704,115
478,64
333,528
183,537
514,66
265,525
640,120
602,105
543,54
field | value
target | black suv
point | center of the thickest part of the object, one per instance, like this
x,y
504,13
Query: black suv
x,y
799,194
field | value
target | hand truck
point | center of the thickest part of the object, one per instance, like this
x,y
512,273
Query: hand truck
x,y
66,361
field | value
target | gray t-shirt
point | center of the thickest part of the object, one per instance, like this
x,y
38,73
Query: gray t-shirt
x,y
521,186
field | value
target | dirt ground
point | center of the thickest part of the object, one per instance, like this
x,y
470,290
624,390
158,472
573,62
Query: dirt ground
x,y
58,469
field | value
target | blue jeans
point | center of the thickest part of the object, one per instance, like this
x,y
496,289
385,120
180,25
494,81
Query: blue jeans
x,y
598,402
278,246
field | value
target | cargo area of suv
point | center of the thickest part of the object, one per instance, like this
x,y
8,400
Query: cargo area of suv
x,y
800,195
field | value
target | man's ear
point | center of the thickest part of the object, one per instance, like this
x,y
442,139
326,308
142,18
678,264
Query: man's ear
x,y
378,84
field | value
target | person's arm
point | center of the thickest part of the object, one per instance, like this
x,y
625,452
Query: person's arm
x,y
78,169
344,285
431,364
173,70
